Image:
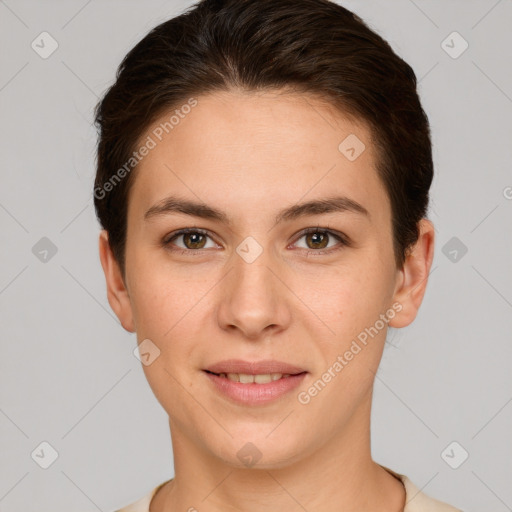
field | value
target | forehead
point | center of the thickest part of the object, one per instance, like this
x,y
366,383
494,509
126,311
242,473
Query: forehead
x,y
257,149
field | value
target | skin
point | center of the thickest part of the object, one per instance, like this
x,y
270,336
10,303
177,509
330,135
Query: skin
x,y
250,155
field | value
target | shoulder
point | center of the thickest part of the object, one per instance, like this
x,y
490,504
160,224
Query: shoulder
x,y
417,501
142,505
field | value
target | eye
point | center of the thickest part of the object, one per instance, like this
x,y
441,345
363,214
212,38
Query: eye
x,y
193,239
318,238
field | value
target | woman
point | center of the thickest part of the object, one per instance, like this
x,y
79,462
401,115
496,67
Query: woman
x,y
263,181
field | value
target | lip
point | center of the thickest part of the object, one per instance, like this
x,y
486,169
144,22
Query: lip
x,y
255,394
254,368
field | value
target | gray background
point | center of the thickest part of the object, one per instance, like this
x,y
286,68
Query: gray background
x,y
68,374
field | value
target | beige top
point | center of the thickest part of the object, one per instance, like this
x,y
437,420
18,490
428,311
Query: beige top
x,y
415,500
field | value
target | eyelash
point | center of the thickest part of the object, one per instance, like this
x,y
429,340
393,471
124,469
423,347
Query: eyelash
x,y
344,241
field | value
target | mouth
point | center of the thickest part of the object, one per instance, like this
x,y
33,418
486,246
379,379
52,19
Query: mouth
x,y
260,378
266,367
254,383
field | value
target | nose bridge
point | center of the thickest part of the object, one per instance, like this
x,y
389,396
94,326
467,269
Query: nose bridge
x,y
252,278
252,298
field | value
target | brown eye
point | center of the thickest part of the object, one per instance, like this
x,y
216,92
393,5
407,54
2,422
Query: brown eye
x,y
317,239
192,240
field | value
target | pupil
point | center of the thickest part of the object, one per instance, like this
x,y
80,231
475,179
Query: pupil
x,y
194,237
319,238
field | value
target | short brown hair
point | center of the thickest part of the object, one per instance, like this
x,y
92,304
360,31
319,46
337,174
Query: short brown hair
x,y
314,46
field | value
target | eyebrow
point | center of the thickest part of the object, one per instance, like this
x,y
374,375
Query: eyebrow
x,y
173,204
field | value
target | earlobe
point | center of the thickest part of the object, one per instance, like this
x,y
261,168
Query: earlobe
x,y
413,278
117,293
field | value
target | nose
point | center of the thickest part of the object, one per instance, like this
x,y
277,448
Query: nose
x,y
254,299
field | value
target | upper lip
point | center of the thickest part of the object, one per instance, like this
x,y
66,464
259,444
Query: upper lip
x,y
254,367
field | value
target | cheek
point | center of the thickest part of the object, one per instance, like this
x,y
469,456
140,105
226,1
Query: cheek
x,y
171,309
171,319
157,297
349,292
351,302
153,308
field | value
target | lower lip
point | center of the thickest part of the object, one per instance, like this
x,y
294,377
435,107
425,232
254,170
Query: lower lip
x,y
255,394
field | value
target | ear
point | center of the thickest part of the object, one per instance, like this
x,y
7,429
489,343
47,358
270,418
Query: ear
x,y
117,293
412,282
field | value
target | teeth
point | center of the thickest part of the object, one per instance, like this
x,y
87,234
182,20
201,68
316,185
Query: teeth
x,y
245,378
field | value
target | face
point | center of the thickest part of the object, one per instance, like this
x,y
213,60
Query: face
x,y
290,260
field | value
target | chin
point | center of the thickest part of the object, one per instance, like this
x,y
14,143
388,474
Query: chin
x,y
259,452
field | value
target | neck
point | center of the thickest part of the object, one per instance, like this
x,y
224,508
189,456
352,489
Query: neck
x,y
338,475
